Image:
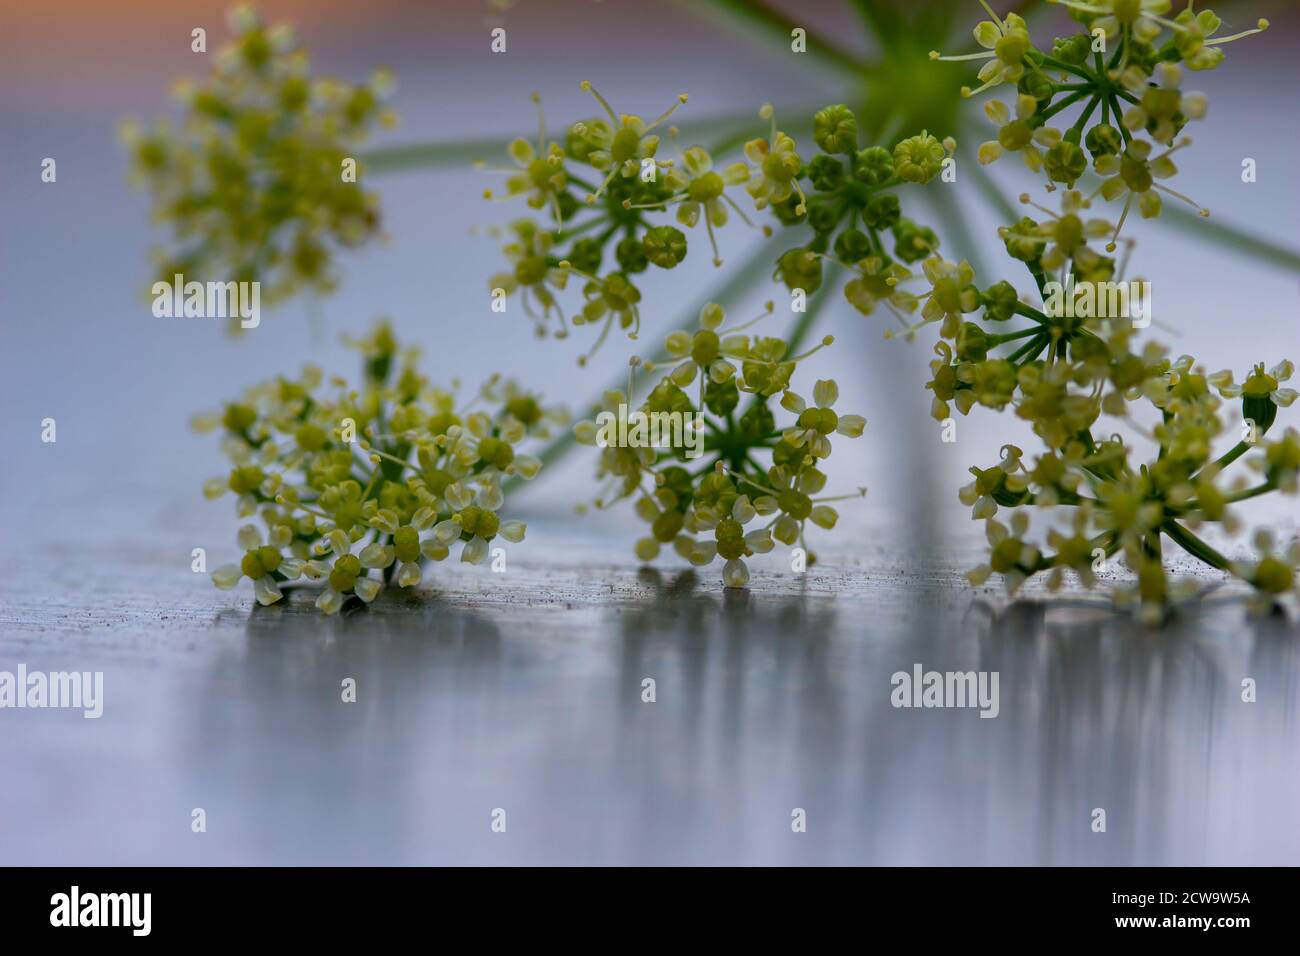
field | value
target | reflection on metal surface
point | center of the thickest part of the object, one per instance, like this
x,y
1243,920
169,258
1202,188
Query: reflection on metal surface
x,y
765,702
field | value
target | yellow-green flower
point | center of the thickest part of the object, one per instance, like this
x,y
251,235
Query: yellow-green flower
x,y
620,148
358,487
753,470
777,167
1017,135
699,191
1007,44
260,181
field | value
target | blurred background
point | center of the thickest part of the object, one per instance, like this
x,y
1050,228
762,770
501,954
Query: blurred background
x,y
97,528
82,346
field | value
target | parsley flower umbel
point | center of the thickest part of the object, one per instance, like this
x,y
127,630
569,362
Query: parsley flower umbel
x,y
760,483
609,228
594,222
361,488
1117,95
1072,368
251,183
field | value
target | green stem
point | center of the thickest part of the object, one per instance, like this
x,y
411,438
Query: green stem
x,y
1087,113
392,159
1029,350
1040,118
1029,312
564,235
1051,61
1229,456
1012,336
1151,545
1243,495
1194,545
1119,118
1227,236
1256,491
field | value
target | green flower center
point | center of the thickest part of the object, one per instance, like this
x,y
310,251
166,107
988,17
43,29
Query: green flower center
x,y
777,169
479,521
496,452
625,146
310,437
1136,173
948,294
1127,11
1069,233
346,571
1013,46
1273,576
406,542
1005,555
706,187
540,173
245,480
530,270
795,503
1259,385
1015,135
525,408
259,562
704,347
666,526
